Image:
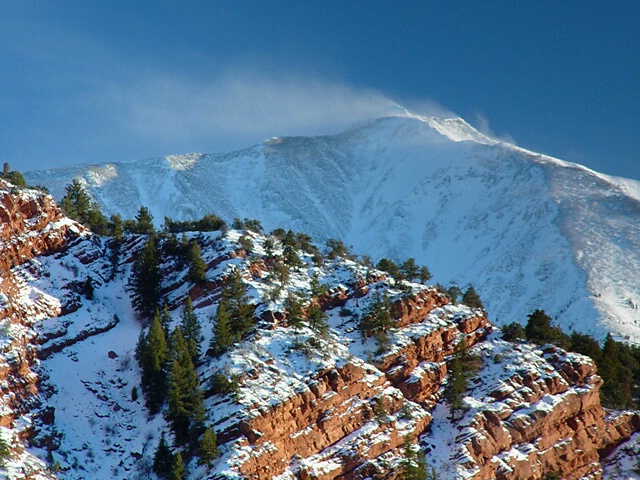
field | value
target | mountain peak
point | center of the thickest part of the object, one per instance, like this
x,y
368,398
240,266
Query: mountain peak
x,y
525,230
453,127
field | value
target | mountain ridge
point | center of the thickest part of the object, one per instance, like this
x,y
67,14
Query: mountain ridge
x,y
528,230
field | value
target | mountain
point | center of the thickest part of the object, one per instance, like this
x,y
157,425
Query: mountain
x,y
527,230
365,387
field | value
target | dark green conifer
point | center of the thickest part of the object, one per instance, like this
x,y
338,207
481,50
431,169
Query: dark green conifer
x,y
144,222
414,466
460,368
281,271
185,408
208,447
294,310
4,451
165,319
336,249
78,205
222,335
146,280
151,353
377,321
424,274
162,459
191,330
239,308
471,299
177,471
390,267
409,269
116,227
318,320
290,257
197,266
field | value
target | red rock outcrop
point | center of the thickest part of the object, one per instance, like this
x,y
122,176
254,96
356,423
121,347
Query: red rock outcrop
x,y
344,403
31,224
338,403
544,422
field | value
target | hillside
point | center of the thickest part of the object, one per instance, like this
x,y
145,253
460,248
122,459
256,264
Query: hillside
x,y
304,398
527,230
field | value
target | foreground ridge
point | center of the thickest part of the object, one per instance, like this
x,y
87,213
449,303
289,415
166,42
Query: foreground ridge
x,y
300,394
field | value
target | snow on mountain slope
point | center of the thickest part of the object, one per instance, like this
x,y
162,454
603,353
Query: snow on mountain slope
x,y
527,230
309,402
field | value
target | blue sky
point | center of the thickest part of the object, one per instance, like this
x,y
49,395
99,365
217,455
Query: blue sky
x,y
86,82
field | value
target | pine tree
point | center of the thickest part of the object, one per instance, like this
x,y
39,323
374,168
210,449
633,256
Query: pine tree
x,y
239,308
459,369
290,257
151,353
540,330
414,466
424,274
336,248
144,222
317,289
390,267
197,266
513,332
377,321
222,335
208,447
318,320
471,299
177,471
4,451
191,330
268,246
185,408
281,272
76,201
146,280
78,205
165,319
116,227
294,311
618,378
410,269
453,292
162,458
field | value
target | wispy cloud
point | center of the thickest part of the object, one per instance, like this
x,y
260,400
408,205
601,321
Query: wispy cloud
x,y
84,97
481,123
240,105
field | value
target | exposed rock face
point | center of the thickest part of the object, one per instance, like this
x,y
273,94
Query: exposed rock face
x,y
352,401
312,405
31,224
351,421
540,415
544,417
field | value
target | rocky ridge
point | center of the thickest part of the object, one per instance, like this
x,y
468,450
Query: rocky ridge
x,y
31,224
307,405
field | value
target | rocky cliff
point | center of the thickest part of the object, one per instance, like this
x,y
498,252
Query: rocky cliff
x,y
307,403
31,225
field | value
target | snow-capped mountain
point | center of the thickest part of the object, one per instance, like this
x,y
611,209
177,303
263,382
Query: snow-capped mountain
x,y
527,230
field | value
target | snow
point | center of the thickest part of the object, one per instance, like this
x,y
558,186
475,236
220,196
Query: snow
x,y
89,373
527,230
